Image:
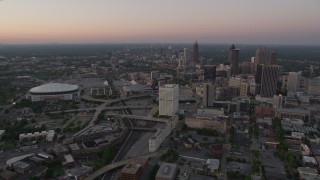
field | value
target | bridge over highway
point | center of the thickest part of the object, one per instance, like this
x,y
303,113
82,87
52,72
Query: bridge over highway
x,y
105,108
139,117
118,164
110,101
143,129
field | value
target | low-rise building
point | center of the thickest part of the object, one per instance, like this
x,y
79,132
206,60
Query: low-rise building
x,y
37,136
308,173
60,151
189,142
75,149
217,150
216,123
161,133
21,167
309,161
263,111
68,161
158,137
133,169
167,171
297,135
313,138
213,164
293,113
79,173
13,160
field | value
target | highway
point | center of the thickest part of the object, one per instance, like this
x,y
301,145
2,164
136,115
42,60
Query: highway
x,y
109,102
115,165
105,108
132,137
139,117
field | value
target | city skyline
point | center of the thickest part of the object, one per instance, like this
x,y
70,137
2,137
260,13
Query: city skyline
x,y
244,22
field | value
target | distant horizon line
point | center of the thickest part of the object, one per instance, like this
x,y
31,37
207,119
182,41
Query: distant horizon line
x,y
155,43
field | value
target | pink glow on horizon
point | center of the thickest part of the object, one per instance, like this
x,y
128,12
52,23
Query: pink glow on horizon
x,y
79,21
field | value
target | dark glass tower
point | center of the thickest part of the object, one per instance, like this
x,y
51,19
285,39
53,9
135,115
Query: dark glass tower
x,y
210,73
195,57
269,80
273,58
233,57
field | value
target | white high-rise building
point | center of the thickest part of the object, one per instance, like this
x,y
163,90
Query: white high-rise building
x,y
293,81
168,99
186,54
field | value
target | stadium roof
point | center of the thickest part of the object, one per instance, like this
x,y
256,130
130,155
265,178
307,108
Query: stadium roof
x,y
54,87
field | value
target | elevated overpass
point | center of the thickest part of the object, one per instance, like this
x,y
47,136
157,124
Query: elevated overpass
x,y
110,101
105,108
139,117
143,129
118,164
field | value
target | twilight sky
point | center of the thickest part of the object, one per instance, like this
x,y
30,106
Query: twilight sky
x,y
160,21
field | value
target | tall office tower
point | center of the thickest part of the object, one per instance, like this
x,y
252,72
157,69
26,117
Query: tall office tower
x,y
233,57
195,54
261,57
245,67
208,94
293,81
269,80
186,54
168,99
252,65
273,58
209,73
259,73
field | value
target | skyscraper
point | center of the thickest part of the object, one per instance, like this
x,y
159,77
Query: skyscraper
x,y
269,80
293,81
168,99
196,53
261,57
233,57
186,54
259,73
273,58
208,94
209,73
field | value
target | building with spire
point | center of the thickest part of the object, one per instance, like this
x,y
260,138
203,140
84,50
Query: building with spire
x,y
195,54
233,58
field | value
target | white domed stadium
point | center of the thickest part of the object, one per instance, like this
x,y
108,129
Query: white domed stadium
x,y
53,91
